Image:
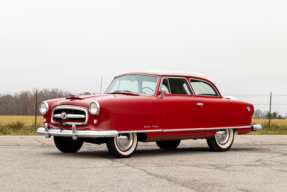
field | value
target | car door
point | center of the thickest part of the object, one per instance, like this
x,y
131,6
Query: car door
x,y
182,115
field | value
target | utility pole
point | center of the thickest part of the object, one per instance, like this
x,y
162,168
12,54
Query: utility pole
x,y
101,85
36,107
270,108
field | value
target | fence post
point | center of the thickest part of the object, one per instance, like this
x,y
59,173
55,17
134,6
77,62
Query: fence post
x,y
36,107
270,108
101,85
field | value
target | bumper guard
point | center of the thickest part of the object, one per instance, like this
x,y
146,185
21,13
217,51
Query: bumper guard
x,y
74,133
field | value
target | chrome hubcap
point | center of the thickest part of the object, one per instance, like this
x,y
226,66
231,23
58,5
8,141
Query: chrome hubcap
x,y
222,136
124,141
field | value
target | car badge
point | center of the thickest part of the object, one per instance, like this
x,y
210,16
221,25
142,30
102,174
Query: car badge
x,y
63,115
248,108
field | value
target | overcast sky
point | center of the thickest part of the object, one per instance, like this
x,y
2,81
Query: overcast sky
x,y
241,45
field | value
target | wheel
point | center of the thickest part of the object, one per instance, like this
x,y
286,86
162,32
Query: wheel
x,y
168,144
222,141
68,145
123,145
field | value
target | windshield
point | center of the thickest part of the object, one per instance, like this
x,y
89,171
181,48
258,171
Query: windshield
x,y
143,84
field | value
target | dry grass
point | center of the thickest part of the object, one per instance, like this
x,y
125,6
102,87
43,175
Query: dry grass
x,y
23,119
24,125
19,125
278,127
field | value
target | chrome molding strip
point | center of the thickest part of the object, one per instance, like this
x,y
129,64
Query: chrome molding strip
x,y
71,123
211,128
70,116
188,129
142,131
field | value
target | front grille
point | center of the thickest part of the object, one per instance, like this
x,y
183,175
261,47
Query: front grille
x,y
69,115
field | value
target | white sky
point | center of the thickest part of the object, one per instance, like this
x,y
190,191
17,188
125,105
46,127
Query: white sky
x,y
241,45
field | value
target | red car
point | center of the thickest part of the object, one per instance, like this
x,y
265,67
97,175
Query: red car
x,y
157,106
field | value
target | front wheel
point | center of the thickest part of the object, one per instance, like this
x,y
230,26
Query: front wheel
x,y
68,145
123,145
222,141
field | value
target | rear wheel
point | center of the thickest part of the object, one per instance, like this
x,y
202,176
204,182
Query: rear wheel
x,y
67,145
168,144
222,141
123,145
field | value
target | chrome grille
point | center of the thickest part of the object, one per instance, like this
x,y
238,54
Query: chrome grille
x,y
77,116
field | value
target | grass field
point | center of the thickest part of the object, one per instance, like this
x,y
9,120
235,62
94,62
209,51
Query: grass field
x,y
25,125
24,119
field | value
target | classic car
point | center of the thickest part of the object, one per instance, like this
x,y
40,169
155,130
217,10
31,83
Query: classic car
x,y
152,106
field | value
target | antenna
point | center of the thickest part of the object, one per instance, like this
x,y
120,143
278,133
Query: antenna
x,y
101,85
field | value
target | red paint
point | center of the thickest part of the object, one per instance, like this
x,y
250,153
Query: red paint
x,y
126,113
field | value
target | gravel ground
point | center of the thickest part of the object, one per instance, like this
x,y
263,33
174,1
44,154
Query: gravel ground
x,y
254,163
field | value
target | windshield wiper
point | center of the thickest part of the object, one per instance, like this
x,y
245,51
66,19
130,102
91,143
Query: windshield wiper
x,y
124,91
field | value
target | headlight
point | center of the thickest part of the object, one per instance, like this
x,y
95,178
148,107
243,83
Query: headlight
x,y
44,107
94,108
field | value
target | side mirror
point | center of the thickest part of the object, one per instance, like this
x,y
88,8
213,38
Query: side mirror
x,y
162,93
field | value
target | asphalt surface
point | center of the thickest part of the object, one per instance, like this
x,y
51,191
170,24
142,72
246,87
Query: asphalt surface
x,y
254,163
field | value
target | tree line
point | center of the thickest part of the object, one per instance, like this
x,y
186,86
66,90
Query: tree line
x,y
23,103
258,114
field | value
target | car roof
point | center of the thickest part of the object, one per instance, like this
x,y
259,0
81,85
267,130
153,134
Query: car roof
x,y
170,73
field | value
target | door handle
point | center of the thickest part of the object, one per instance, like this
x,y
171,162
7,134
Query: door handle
x,y
199,104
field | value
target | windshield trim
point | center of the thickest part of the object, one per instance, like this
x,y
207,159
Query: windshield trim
x,y
136,74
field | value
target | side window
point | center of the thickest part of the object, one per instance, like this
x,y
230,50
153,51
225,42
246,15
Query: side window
x,y
176,86
203,88
165,86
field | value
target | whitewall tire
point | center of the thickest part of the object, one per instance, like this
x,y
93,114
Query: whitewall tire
x,y
222,141
123,145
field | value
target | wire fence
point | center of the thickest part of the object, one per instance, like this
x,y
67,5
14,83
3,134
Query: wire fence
x,y
25,103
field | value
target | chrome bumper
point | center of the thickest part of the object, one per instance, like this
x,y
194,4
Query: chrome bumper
x,y
75,134
256,127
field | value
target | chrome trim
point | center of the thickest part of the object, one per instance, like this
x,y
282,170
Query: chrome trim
x,y
47,130
142,131
124,142
162,93
136,74
46,106
74,136
78,133
212,128
199,104
222,136
70,123
70,116
98,106
256,127
218,95
166,77
188,129
239,127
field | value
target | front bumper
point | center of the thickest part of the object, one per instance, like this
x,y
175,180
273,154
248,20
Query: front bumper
x,y
75,134
256,127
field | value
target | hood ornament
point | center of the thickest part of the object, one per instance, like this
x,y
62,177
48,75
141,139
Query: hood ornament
x,y
73,96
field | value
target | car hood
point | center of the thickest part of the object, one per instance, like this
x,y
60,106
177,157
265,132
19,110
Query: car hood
x,y
85,100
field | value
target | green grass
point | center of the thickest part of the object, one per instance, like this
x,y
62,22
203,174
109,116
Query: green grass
x,y
19,128
275,129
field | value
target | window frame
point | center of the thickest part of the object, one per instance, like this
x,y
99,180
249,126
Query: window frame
x,y
214,88
173,77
